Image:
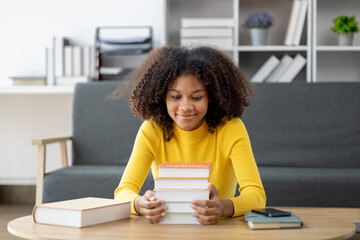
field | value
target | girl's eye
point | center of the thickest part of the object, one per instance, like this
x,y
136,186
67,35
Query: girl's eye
x,y
175,97
196,98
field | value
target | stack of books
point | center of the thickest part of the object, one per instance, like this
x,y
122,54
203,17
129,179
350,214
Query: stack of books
x,y
216,32
178,184
280,70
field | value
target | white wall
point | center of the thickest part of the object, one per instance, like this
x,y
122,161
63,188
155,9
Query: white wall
x,y
27,27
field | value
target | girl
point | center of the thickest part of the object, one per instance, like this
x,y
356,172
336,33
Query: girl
x,y
191,100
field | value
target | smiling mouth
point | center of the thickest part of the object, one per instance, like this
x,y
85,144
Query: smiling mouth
x,y
186,116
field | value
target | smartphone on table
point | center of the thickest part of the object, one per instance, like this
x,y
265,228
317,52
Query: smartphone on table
x,y
271,212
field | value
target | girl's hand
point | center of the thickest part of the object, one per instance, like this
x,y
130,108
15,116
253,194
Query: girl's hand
x,y
148,206
216,208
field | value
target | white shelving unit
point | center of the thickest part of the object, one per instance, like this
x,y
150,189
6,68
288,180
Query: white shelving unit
x,y
318,44
330,61
36,90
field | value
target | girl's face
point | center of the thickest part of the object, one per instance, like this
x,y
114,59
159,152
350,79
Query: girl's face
x,y
187,102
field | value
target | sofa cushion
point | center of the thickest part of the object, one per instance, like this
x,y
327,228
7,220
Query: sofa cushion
x,y
104,129
315,187
85,181
305,125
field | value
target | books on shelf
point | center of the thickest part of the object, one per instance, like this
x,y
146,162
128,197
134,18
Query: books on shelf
x,y
71,80
207,22
59,44
206,32
296,22
266,69
280,69
220,42
81,212
293,69
216,32
185,170
188,181
259,221
28,80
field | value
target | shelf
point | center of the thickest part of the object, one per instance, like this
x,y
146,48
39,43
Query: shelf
x,y
338,48
271,48
36,90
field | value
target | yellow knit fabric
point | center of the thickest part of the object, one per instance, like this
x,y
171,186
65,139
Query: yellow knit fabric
x,y
228,148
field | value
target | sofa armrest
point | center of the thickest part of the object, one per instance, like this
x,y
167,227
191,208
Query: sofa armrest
x,y
41,143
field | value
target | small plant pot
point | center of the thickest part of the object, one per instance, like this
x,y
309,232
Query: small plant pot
x,y
258,36
346,39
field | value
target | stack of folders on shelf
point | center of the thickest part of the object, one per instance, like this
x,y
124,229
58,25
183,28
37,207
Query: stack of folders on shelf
x,y
282,71
296,22
120,49
216,32
178,184
68,64
257,221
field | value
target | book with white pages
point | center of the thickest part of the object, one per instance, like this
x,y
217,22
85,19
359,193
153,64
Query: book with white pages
x,y
290,32
294,68
266,69
181,195
179,218
300,22
207,22
220,42
207,32
285,61
77,61
181,183
178,207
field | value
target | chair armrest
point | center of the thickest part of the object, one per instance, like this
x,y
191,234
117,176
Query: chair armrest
x,y
42,160
50,140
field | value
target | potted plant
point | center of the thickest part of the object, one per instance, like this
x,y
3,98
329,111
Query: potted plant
x,y
345,26
258,23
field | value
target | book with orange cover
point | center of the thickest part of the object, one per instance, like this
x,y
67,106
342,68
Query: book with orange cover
x,y
185,170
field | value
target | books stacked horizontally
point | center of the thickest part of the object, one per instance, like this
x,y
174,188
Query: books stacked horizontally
x,y
216,32
81,212
296,22
178,184
279,70
259,221
28,80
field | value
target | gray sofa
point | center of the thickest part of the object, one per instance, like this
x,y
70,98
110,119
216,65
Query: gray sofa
x,y
305,138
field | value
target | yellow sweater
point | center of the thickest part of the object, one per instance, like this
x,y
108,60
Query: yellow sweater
x,y
228,149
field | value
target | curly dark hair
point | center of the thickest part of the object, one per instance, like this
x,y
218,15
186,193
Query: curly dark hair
x,y
228,89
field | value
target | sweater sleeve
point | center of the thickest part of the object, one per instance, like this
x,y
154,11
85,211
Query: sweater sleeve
x,y
138,166
252,194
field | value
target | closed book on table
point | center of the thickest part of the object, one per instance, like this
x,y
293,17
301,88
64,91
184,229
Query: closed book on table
x,y
81,212
259,221
181,195
207,22
181,183
185,170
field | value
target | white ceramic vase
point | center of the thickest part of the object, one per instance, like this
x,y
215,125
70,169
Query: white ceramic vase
x,y
258,36
346,39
